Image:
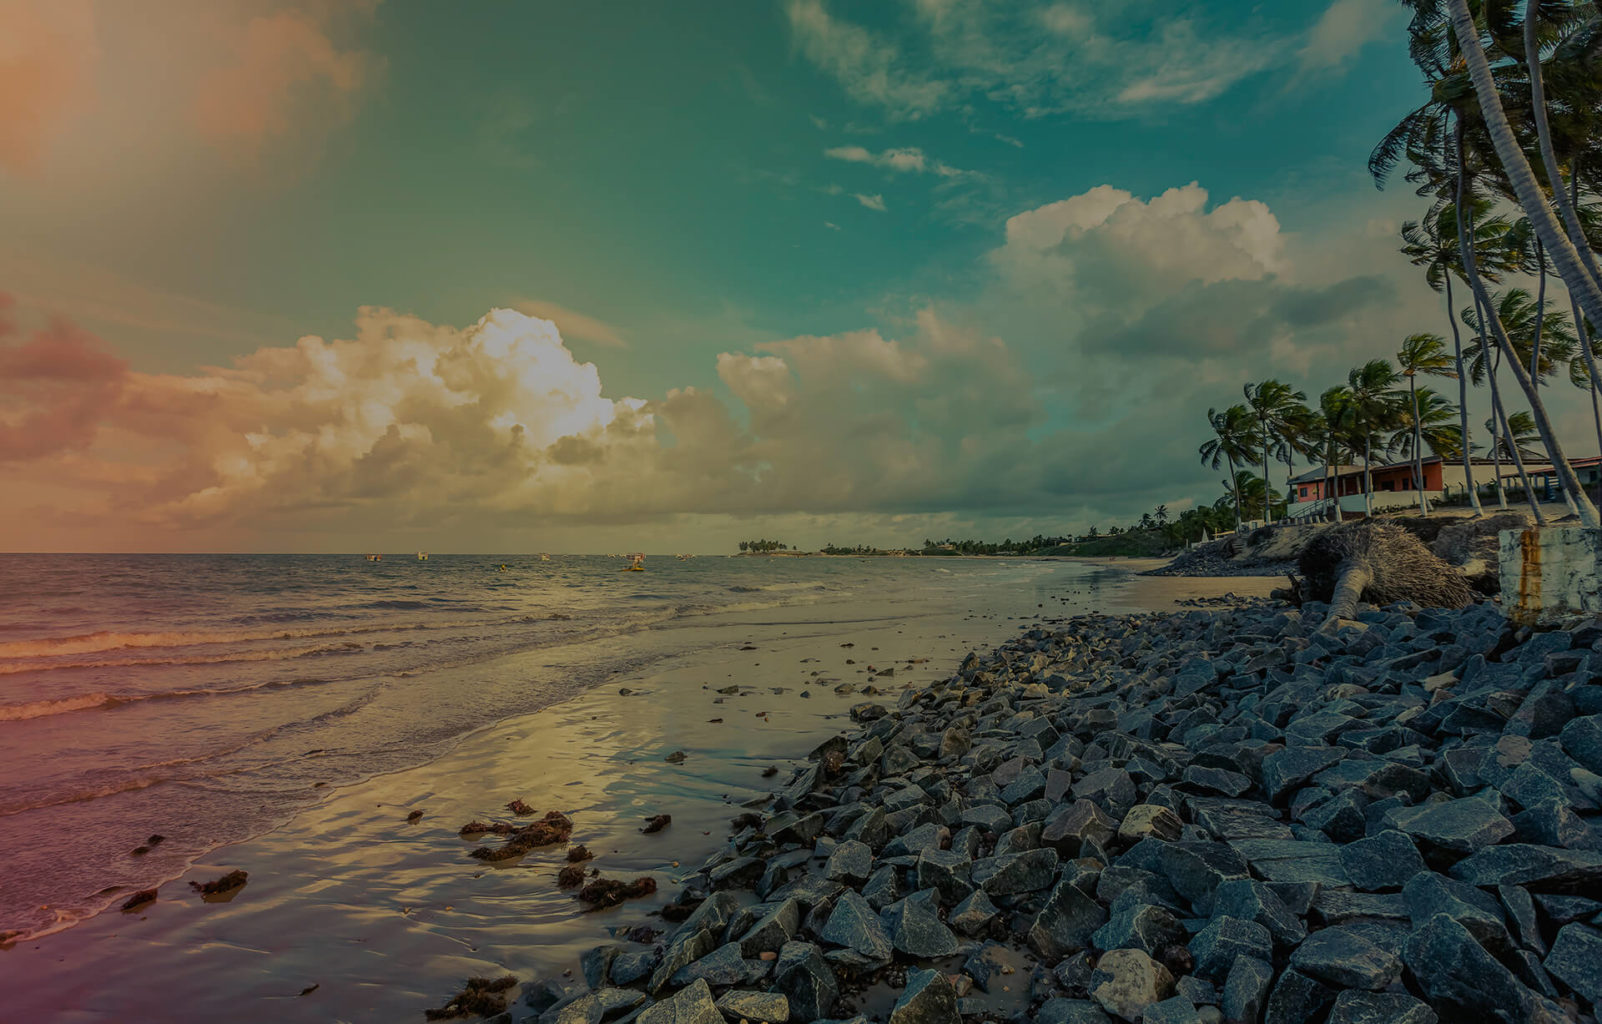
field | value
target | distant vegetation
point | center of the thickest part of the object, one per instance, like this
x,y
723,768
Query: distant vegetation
x,y
762,546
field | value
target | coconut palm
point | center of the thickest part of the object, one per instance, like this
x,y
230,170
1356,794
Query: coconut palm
x,y
1430,423
1339,431
1274,403
1521,434
1233,443
1374,413
1256,498
1422,353
1577,278
1540,335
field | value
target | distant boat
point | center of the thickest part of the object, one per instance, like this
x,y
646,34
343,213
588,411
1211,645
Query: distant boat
x,y
422,556
685,558
375,558
637,565
545,558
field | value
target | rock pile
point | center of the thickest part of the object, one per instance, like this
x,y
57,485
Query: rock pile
x,y
1172,819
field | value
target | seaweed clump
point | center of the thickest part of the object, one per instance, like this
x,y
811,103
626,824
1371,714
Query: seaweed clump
x,y
554,828
609,892
480,997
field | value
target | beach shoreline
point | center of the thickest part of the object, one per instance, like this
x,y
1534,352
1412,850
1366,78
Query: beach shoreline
x,y
383,883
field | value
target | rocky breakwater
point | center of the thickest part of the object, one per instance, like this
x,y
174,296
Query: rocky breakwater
x,y
1190,817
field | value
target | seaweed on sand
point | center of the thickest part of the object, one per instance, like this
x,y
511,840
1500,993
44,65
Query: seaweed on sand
x,y
609,892
480,997
555,827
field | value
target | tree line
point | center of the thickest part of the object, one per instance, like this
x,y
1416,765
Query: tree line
x,y
1506,154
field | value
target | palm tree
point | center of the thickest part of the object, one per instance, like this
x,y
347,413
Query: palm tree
x,y
1422,353
1256,497
1336,412
1374,412
1521,434
1233,441
1431,424
1274,403
1540,335
1580,282
1161,514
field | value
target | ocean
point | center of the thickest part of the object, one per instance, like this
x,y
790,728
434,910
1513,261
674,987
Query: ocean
x,y
208,699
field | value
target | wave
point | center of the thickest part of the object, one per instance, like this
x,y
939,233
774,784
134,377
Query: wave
x,y
90,701
348,647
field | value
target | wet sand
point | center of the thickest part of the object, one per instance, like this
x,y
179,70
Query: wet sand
x,y
380,918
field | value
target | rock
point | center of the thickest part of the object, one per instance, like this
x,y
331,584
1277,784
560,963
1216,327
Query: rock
x,y
947,871
1344,959
1297,999
1019,873
1068,828
1137,925
693,1005
973,915
772,930
851,863
1251,900
856,926
1198,778
927,999
1384,861
802,975
1197,869
1281,860
754,1006
1246,989
987,962
722,967
1175,1010
1463,825
1582,740
1126,981
916,929
1356,1007
1576,960
1537,868
1225,939
1066,922
1111,788
1453,970
1150,820
1289,768
1071,1011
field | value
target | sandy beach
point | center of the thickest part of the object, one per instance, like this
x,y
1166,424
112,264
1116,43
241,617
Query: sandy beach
x,y
381,918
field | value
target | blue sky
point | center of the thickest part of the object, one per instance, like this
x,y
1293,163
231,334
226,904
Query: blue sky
x,y
826,260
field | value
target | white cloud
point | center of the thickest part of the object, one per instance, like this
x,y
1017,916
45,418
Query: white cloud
x,y
873,202
574,324
908,159
1344,29
869,68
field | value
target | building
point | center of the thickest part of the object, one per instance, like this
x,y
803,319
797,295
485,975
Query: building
x,y
1314,492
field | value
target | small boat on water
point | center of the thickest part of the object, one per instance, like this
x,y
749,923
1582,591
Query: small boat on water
x,y
375,558
637,565
422,556
544,557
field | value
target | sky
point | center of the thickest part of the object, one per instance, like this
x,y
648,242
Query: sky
x,y
312,275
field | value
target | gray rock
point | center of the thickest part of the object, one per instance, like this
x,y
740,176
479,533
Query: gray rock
x,y
614,1002
1453,970
1279,860
771,1007
1071,1011
945,870
925,836
1246,989
1019,873
973,915
1384,861
1068,828
804,977
1150,820
1215,780
1287,769
688,946
1134,924
1226,939
596,965
1066,922
585,1009
629,968
851,863
1537,868
772,930
1582,740
693,1005
1111,788
1297,999
927,999
1463,825
989,817
1175,1010
855,925
1576,960
722,967
1357,1007
987,962
916,929
1250,900
1197,869
1344,959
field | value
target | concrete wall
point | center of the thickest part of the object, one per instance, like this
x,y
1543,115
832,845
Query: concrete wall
x,y
1551,574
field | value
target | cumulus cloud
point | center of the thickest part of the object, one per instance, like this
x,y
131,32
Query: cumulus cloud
x,y
48,55
868,67
55,384
873,202
574,324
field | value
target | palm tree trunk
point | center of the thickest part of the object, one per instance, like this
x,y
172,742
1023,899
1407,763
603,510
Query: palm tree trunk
x,y
1457,342
1517,456
1535,349
1543,134
1418,444
1234,485
1498,421
1565,257
1268,514
1368,477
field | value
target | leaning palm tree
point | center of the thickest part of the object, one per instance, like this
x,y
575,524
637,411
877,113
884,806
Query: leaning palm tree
x,y
1339,419
1233,442
1374,412
1433,426
1521,433
1581,283
1274,403
1422,353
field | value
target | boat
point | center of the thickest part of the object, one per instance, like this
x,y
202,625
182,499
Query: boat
x,y
375,558
638,565
545,557
422,556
